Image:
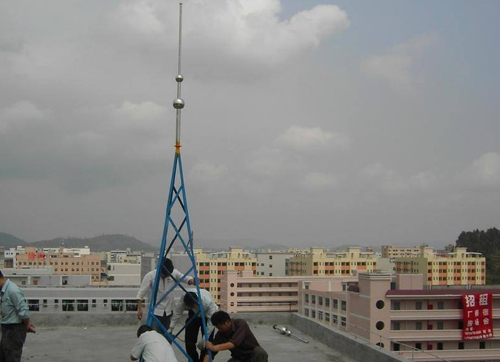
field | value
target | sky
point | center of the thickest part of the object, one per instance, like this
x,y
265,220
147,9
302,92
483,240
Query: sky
x,y
307,123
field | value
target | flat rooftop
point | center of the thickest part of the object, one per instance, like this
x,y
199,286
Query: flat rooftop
x,y
114,343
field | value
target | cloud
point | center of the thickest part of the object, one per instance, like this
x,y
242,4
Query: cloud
x,y
396,67
317,181
424,180
250,31
267,162
205,171
21,114
384,178
483,172
393,182
305,139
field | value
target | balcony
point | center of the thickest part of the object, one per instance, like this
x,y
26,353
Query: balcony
x,y
257,289
432,335
432,314
452,355
267,299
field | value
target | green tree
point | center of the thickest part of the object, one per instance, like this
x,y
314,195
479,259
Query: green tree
x,y
487,243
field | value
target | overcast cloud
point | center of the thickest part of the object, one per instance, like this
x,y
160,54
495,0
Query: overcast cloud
x,y
306,122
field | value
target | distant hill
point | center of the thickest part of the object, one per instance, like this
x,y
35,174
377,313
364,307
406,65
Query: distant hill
x,y
98,243
10,241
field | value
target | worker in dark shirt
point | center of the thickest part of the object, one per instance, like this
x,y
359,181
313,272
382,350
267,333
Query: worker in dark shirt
x,y
236,336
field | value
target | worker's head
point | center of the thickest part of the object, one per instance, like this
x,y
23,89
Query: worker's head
x,y
167,268
221,320
190,300
143,329
2,279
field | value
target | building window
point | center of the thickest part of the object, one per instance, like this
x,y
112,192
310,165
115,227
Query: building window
x,y
380,304
344,305
82,305
313,299
418,326
440,346
335,319
313,314
396,347
327,302
320,315
418,305
396,305
379,325
131,305
482,345
460,345
34,305
396,326
327,317
343,321
306,298
306,312
45,303
68,305
320,300
440,325
440,305
335,304
418,345
116,305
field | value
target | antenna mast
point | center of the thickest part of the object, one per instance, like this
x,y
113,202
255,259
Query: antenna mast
x,y
179,102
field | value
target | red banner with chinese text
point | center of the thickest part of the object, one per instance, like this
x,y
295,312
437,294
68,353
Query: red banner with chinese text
x,y
477,316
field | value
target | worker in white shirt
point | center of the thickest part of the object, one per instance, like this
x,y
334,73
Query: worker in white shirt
x,y
152,347
190,303
164,310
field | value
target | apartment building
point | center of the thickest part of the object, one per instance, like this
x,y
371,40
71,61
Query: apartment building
x,y
244,292
318,262
211,267
62,263
273,263
397,314
391,251
457,267
124,274
10,256
45,278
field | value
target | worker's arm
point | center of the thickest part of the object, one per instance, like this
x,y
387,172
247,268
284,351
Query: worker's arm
x,y
178,311
178,276
219,347
132,358
22,310
145,286
210,309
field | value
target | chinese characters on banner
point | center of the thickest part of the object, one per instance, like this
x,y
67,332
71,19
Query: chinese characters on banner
x,y
477,317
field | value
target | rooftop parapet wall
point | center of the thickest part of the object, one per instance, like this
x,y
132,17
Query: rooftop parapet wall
x,y
353,348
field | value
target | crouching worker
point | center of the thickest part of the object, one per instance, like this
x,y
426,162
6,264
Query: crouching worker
x,y
235,336
190,303
152,347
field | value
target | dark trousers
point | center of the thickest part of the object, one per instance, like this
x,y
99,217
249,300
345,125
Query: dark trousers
x,y
164,320
191,337
259,355
11,346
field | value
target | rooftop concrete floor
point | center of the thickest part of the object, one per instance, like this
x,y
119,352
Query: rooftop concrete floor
x,y
113,344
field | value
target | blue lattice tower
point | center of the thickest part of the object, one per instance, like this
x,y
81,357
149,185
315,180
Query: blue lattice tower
x,y
179,226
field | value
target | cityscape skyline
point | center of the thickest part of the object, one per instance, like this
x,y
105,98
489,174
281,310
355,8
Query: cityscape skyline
x,y
304,120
